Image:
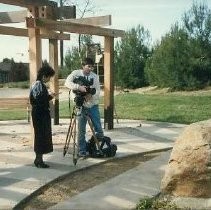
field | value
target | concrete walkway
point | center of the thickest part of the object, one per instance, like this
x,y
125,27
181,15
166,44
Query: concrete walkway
x,y
19,178
123,191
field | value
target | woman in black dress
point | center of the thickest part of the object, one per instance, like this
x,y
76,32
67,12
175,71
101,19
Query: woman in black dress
x,y
39,99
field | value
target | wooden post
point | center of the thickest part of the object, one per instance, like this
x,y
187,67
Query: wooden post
x,y
35,46
61,41
35,58
54,85
35,53
108,82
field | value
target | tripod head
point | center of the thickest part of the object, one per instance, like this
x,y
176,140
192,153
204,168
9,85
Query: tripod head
x,y
78,110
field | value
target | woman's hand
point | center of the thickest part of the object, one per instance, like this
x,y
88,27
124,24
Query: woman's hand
x,y
52,94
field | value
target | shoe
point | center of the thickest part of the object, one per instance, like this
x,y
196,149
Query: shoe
x,y
82,155
40,164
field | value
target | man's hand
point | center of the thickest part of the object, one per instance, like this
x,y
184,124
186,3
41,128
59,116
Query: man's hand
x,y
82,89
88,97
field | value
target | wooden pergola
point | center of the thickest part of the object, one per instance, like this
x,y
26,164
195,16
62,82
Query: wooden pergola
x,y
42,22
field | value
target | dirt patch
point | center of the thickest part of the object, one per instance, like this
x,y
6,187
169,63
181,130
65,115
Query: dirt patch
x,y
81,180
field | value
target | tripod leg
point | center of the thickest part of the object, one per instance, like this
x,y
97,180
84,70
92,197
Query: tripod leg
x,y
69,135
66,145
75,144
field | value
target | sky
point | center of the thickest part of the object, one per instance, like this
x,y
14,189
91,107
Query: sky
x,y
157,16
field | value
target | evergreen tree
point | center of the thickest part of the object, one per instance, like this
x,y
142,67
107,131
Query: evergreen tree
x,y
169,64
74,57
182,59
197,23
130,57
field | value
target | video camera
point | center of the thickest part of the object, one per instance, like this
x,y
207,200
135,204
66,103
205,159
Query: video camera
x,y
80,96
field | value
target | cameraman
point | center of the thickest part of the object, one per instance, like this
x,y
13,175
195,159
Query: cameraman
x,y
90,104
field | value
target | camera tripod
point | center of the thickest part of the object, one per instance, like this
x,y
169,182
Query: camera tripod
x,y
72,133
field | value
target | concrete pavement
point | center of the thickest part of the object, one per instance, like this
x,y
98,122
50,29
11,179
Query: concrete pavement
x,y
19,178
123,191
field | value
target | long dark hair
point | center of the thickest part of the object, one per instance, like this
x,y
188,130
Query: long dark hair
x,y
46,71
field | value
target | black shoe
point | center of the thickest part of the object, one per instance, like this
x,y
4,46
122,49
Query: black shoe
x,y
40,164
82,155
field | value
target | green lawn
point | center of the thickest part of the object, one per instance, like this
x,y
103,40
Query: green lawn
x,y
15,114
166,108
177,108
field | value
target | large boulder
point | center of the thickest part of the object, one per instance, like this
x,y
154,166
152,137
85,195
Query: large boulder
x,y
188,173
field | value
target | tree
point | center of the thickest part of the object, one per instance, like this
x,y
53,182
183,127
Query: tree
x,y
130,57
169,64
17,71
73,57
21,72
182,59
83,7
197,23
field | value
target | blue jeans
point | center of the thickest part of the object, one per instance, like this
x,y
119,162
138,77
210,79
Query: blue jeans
x,y
94,115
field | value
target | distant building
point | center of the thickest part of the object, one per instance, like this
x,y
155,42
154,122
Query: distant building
x,y
13,72
5,70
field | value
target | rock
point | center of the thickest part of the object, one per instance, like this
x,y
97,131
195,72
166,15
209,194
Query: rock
x,y
188,173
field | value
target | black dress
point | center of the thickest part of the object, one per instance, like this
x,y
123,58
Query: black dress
x,y
39,99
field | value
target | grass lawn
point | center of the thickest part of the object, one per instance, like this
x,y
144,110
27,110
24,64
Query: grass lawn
x,y
156,107
168,107
14,114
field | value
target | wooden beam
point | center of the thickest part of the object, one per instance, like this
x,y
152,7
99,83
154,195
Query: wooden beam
x,y
35,60
108,82
76,28
35,53
26,3
44,34
6,30
94,21
13,17
47,34
20,16
54,83
44,12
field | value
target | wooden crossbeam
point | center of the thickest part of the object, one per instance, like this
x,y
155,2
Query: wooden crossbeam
x,y
20,16
13,17
5,30
94,21
73,27
26,3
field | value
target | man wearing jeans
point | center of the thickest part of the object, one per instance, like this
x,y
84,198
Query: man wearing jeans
x,y
90,104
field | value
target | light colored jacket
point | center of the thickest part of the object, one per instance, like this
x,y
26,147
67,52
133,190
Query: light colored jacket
x,y
73,86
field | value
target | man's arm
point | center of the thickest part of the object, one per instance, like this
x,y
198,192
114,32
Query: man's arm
x,y
96,85
72,85
69,81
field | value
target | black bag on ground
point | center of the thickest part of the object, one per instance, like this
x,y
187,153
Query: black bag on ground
x,y
107,148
